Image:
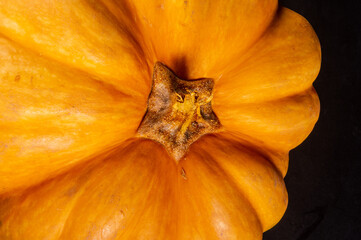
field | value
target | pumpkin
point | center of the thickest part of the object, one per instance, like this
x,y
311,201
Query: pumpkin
x,y
150,119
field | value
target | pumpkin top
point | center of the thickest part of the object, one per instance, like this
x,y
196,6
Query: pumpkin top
x,y
75,81
179,111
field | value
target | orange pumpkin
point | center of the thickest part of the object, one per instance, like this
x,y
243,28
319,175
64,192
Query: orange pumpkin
x,y
94,145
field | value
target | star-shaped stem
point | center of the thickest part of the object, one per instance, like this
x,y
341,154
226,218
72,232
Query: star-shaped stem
x,y
179,111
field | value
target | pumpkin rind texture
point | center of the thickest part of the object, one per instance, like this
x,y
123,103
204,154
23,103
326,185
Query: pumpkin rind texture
x,y
75,79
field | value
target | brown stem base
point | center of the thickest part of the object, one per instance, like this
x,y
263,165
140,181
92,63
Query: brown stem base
x,y
179,111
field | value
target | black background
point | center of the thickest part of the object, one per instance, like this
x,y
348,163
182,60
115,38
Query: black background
x,y
324,177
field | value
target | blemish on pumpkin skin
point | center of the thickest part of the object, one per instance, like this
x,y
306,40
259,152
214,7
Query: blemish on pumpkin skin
x,y
71,192
161,6
17,78
122,214
3,147
183,174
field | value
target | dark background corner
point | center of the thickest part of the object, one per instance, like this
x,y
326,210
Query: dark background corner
x,y
324,177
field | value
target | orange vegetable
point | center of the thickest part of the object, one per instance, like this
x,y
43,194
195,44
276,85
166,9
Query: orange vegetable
x,y
150,119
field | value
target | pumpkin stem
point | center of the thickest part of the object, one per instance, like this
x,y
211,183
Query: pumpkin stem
x,y
179,111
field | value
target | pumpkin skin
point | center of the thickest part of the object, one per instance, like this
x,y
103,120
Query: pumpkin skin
x,y
75,80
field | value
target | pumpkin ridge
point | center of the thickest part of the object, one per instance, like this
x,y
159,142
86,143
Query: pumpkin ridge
x,y
255,42
216,186
216,167
272,55
80,34
134,38
293,119
258,164
279,162
91,77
